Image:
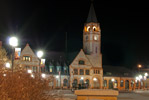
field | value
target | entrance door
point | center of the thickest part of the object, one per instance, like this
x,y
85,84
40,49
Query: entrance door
x,y
127,85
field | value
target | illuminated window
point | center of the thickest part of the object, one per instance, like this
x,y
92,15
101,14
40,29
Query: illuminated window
x,y
65,70
94,28
96,37
75,71
58,68
65,82
26,58
105,83
88,28
51,69
87,72
122,83
81,62
81,72
34,69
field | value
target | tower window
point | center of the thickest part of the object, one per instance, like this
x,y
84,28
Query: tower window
x,y
81,62
94,28
88,28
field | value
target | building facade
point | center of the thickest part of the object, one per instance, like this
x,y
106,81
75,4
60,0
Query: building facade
x,y
86,69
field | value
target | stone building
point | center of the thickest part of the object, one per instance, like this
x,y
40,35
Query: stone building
x,y
28,59
86,68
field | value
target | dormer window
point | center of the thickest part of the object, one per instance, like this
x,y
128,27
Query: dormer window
x,y
26,58
94,28
81,62
88,28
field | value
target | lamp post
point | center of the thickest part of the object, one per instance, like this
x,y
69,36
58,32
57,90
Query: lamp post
x,y
139,66
13,41
39,55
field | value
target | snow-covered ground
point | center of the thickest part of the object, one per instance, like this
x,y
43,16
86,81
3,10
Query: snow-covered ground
x,y
137,95
68,95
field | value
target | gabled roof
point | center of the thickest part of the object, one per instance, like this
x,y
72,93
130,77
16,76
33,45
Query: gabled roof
x,y
28,50
81,55
92,15
94,60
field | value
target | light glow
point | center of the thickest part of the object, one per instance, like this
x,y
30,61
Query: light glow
x,y
29,71
146,74
43,75
40,54
140,76
57,76
13,41
82,78
95,79
7,65
112,79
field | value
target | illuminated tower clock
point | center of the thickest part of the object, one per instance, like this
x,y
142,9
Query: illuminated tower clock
x,y
91,34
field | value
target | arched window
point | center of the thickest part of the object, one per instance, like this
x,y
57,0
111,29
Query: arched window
x,y
75,83
65,82
81,62
94,28
81,71
88,28
105,83
122,83
87,82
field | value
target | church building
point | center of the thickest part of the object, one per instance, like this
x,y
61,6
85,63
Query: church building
x,y
86,68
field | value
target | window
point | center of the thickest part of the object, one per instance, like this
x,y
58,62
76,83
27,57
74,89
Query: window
x,y
26,58
81,72
88,28
87,72
122,83
98,72
75,82
105,83
94,71
94,28
81,62
75,71
58,68
27,67
65,70
65,82
108,73
34,69
51,69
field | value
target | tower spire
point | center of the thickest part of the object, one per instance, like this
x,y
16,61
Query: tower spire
x,y
92,15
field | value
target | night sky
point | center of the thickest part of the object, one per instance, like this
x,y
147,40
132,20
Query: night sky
x,y
43,24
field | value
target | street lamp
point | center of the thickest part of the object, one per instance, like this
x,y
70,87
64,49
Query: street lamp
x,y
29,71
146,74
39,55
7,65
13,41
43,75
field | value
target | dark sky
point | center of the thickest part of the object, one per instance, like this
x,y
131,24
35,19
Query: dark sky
x,y
43,24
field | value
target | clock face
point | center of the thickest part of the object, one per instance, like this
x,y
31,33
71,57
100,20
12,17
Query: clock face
x,y
95,37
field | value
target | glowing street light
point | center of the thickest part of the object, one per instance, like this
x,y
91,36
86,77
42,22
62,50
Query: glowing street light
x,y
137,78
112,79
40,54
29,71
43,75
146,74
95,79
13,41
32,76
57,76
82,78
7,65
140,77
4,75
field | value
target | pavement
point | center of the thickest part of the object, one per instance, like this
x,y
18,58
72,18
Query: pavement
x,y
136,95
69,95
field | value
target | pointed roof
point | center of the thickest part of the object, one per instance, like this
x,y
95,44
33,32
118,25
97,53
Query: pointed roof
x,y
92,15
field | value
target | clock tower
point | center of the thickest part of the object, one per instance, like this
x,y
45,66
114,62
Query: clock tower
x,y
91,34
